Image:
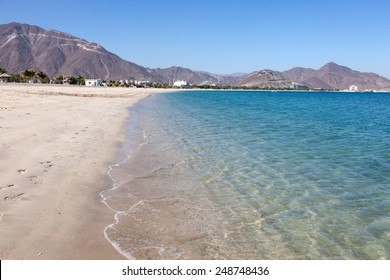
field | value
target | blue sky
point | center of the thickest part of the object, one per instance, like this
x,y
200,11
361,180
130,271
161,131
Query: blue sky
x,y
223,36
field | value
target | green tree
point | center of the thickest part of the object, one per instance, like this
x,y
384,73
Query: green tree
x,y
28,75
72,80
59,79
42,77
80,80
2,71
15,78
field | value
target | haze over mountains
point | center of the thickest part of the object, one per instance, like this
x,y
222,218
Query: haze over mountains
x,y
25,46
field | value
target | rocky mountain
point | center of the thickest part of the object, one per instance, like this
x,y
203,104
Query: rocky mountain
x,y
334,76
24,46
218,79
330,76
266,79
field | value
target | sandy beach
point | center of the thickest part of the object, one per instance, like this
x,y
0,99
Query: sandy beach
x,y
56,144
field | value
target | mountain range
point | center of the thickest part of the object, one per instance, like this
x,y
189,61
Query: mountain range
x,y
334,76
24,46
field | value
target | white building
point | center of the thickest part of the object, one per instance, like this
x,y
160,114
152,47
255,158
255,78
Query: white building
x,y
4,77
180,84
142,83
353,88
93,82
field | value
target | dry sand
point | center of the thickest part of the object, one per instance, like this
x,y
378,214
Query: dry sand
x,y
56,143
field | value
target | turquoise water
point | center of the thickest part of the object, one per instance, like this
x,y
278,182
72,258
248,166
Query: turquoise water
x,y
254,175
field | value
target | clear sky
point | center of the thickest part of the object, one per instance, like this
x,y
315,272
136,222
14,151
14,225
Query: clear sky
x,y
223,36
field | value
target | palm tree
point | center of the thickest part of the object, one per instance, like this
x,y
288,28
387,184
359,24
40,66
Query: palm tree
x,y
28,74
72,80
59,79
16,78
42,77
80,80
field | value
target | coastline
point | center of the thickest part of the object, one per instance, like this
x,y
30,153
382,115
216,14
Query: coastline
x,y
56,145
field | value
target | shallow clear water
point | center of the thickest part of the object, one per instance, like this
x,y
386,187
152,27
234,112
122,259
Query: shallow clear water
x,y
254,175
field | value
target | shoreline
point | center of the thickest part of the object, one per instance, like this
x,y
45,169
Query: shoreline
x,y
57,144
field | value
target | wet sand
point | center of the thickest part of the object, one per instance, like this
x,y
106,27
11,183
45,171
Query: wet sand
x,y
56,144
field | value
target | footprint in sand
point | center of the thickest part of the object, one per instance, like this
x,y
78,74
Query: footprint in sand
x,y
46,164
14,197
36,180
8,186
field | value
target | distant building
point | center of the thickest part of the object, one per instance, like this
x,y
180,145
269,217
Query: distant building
x,y
4,77
142,83
353,88
181,84
66,81
93,82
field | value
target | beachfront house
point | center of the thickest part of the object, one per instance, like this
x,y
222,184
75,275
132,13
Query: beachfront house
x,y
93,82
4,77
180,84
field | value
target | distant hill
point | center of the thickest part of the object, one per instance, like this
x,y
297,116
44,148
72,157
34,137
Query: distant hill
x,y
175,73
334,76
266,79
330,76
24,46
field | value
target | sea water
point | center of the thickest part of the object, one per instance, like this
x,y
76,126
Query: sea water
x,y
254,175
